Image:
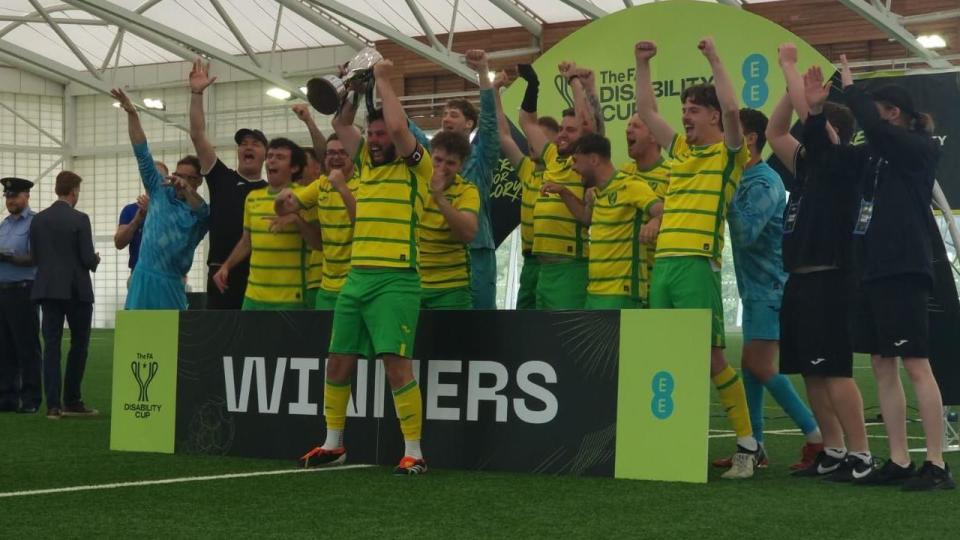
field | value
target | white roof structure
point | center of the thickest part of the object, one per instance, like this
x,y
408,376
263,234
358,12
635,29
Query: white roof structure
x,y
84,33
67,39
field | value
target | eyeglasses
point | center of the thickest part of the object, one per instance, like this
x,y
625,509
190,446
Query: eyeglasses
x,y
187,176
337,153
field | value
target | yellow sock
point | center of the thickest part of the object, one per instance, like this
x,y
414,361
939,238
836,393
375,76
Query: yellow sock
x,y
734,400
335,399
410,410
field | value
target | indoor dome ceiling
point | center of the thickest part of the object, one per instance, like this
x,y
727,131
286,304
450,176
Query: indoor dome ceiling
x,y
23,24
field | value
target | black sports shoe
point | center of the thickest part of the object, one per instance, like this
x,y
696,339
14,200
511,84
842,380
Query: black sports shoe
x,y
888,475
410,466
822,465
930,478
852,468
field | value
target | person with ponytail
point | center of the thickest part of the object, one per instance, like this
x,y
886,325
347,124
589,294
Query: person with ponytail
x,y
895,170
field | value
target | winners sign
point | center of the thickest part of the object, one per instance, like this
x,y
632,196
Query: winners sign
x,y
526,391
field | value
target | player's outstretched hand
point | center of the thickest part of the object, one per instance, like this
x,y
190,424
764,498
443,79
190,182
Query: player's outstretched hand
x,y
787,54
476,60
815,90
846,76
124,100
644,50
383,68
708,47
501,80
200,77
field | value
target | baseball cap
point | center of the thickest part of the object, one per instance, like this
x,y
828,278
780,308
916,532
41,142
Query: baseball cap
x,y
247,132
896,96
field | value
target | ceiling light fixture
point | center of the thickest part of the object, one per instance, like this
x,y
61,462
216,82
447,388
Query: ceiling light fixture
x,y
932,41
278,93
155,104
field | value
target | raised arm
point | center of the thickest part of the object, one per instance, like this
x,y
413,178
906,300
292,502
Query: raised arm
x,y
586,102
348,133
787,57
316,136
816,91
508,146
536,139
646,101
200,79
726,95
149,175
781,142
487,143
134,127
896,144
393,114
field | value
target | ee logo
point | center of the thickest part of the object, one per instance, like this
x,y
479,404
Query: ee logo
x,y
755,90
662,402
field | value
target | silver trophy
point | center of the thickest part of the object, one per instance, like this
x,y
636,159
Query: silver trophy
x,y
328,93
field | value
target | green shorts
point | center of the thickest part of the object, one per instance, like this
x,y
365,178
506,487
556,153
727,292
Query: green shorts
x,y
611,301
562,285
689,283
309,298
376,313
527,295
325,300
250,304
455,298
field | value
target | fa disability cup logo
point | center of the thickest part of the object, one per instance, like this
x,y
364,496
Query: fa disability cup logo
x,y
151,371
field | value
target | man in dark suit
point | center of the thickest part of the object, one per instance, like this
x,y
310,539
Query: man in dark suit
x,y
62,243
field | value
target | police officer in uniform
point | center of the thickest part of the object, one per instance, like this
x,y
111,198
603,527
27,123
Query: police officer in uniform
x,y
20,360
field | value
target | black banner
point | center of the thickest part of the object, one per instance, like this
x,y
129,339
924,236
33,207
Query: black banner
x,y
510,391
505,194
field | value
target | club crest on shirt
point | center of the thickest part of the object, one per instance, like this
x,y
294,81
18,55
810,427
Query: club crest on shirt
x,y
612,198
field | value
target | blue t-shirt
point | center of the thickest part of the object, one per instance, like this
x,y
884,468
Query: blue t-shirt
x,y
756,232
126,216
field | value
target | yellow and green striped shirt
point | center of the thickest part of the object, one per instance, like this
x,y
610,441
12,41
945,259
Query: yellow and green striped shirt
x,y
703,180
556,233
335,228
658,178
276,269
617,261
390,199
444,258
313,260
531,178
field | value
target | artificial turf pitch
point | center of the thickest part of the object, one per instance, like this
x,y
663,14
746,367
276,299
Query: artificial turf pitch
x,y
37,453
